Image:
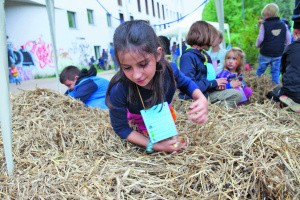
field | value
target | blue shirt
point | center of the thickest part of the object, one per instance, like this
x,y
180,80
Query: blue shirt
x,y
91,91
119,99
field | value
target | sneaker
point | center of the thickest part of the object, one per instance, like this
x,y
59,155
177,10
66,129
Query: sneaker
x,y
290,103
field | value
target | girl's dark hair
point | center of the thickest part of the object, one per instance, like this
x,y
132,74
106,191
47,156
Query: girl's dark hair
x,y
201,33
139,37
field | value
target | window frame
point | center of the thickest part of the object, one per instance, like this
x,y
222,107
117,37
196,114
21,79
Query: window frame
x,y
72,19
90,14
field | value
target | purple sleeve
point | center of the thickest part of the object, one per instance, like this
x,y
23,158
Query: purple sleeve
x,y
261,36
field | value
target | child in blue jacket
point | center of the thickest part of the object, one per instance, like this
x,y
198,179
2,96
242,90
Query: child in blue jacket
x,y
85,85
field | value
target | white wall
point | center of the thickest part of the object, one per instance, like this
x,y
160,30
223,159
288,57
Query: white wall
x,y
27,25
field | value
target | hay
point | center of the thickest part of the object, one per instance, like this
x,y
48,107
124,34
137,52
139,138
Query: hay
x,y
63,150
260,86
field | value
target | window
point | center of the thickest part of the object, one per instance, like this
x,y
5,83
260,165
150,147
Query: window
x,y
90,14
158,13
72,19
120,2
131,18
97,51
146,4
121,17
139,5
108,18
153,8
163,11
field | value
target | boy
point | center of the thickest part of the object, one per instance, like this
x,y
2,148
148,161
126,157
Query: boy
x,y
272,39
85,85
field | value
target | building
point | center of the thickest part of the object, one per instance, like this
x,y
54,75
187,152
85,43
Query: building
x,y
83,29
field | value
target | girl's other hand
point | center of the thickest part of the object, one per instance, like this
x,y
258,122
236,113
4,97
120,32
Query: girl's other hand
x,y
221,83
235,83
169,145
199,111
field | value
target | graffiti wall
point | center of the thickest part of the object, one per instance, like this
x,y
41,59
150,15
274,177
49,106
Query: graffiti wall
x,y
35,59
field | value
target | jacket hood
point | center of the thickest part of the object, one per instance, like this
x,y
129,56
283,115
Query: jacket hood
x,y
197,53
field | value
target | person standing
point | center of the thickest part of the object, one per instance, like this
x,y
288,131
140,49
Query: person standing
x,y
289,93
272,39
173,51
113,58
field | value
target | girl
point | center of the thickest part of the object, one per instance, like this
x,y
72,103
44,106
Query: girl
x,y
217,53
146,79
232,71
196,64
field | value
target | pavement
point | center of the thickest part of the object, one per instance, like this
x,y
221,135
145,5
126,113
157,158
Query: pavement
x,y
49,83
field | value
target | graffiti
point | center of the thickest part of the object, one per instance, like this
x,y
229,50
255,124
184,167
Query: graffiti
x,y
42,51
23,61
83,54
80,50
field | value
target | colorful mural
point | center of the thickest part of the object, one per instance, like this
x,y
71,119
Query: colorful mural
x,y
35,58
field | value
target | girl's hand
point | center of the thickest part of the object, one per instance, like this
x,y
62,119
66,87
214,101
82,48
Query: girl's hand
x,y
169,145
221,81
198,112
235,83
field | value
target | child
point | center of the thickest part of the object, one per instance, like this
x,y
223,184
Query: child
x,y
196,64
217,53
272,39
289,93
15,74
146,79
232,71
85,85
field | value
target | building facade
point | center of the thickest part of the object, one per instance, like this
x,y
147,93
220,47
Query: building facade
x,y
83,29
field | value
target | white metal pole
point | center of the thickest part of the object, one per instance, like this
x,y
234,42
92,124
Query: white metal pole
x,y
51,18
220,14
5,106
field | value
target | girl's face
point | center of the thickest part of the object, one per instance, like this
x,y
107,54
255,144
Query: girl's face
x,y
139,68
232,61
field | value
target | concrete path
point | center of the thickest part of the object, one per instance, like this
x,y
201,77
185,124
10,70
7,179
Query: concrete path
x,y
49,83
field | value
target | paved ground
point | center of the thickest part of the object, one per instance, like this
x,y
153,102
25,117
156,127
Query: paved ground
x,y
49,83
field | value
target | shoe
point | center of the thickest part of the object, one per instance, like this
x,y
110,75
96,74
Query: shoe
x,y
290,103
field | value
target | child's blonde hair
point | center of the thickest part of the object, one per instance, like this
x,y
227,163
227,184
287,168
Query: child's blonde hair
x,y
271,10
241,57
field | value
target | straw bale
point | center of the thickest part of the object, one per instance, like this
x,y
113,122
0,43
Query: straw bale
x,y
260,86
63,150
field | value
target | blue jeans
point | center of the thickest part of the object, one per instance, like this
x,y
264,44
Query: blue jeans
x,y
275,62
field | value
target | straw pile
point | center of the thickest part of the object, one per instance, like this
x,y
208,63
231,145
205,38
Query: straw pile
x,y
63,150
260,86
